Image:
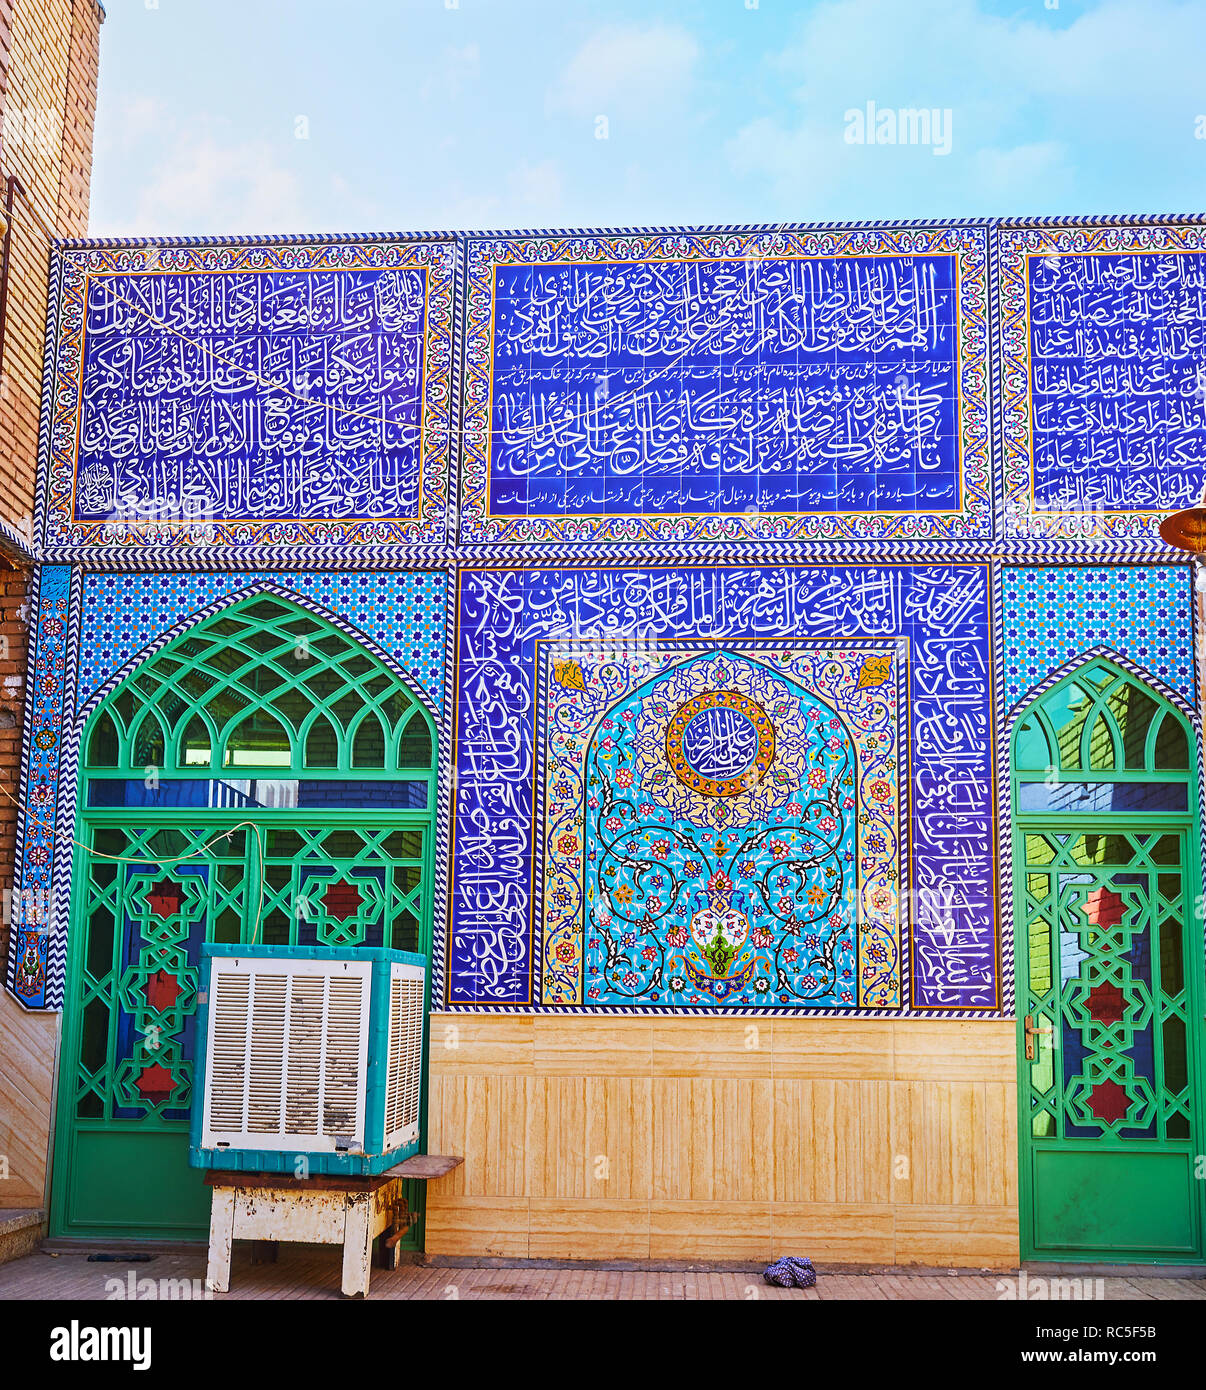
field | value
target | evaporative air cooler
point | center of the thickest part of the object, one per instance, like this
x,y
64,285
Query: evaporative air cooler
x,y
308,1052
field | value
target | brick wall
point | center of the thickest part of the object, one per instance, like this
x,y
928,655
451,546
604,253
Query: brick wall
x,y
49,54
48,74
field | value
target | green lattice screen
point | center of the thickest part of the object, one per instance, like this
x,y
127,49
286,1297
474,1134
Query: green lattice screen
x,y
1108,951
262,686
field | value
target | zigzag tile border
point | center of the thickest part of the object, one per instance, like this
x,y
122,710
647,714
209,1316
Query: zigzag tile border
x,y
1011,550
657,1010
1001,829
21,797
446,794
64,845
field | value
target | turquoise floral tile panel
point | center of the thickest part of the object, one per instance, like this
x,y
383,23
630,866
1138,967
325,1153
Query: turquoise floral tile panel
x,y
722,825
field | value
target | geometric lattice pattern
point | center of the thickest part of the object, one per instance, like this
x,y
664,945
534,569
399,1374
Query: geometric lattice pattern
x,y
261,778
1106,920
1055,614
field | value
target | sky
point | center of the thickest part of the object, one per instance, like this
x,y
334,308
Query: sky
x,y
261,116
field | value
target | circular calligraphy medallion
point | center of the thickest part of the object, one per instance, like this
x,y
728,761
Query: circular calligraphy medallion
x,y
721,743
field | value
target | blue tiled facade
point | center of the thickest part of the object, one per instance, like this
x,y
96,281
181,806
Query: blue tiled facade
x,y
720,557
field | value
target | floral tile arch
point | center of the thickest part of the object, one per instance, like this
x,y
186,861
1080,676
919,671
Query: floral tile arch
x,y
721,826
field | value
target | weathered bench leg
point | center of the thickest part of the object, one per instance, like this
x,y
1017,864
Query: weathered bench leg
x,y
221,1238
357,1244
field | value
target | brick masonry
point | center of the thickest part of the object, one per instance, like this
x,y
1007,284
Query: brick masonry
x,y
49,52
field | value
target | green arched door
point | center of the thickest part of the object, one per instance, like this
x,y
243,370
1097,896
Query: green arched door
x,y
262,777
1109,970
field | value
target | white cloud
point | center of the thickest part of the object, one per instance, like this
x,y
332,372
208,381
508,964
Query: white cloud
x,y
207,186
1007,177
1026,94
795,159
135,118
530,196
453,72
630,69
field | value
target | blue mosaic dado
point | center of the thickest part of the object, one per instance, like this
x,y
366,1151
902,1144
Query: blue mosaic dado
x,y
544,656
1052,615
738,385
1103,334
40,785
402,613
251,394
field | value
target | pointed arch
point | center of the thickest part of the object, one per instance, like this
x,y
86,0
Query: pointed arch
x,y
241,838
1102,652
249,678
1095,723
256,587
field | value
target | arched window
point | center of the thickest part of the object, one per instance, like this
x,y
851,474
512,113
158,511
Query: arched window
x,y
263,688
1101,741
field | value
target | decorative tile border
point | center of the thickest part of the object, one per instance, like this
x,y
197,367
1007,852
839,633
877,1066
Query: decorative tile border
x,y
34,917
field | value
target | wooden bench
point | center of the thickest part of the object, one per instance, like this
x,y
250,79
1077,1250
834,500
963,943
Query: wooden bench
x,y
324,1210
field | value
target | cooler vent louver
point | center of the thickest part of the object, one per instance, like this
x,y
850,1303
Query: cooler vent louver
x,y
313,1053
405,1048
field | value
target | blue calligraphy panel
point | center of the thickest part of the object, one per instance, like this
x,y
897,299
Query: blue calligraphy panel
x,y
938,614
1104,336
277,398
695,387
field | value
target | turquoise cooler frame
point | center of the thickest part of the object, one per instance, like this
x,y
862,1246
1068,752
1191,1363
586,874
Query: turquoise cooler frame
x,y
375,1159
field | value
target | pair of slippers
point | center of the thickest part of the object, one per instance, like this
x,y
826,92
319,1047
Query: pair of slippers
x,y
791,1273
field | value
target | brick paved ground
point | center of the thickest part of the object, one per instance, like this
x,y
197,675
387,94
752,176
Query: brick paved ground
x,y
313,1272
